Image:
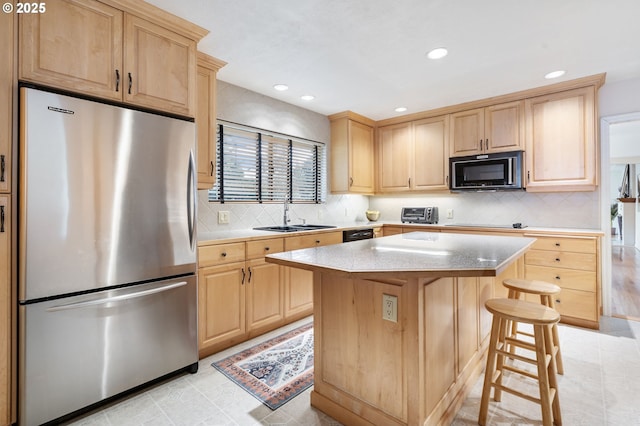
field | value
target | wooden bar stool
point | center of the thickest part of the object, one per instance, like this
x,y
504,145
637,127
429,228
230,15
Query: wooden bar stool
x,y
547,292
542,319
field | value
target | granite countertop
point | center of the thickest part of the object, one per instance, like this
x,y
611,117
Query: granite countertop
x,y
414,254
233,235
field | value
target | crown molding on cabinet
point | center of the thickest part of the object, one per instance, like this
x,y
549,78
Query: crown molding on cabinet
x,y
596,80
160,17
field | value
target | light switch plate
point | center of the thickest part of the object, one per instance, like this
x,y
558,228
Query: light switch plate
x,y
223,217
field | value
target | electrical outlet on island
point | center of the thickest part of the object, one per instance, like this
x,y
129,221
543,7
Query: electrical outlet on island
x,y
390,307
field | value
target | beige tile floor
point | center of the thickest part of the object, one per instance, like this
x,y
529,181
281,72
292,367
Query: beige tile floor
x,y
601,386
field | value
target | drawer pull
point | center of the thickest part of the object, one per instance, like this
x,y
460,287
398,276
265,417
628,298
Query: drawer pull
x,y
557,277
558,301
557,259
557,244
317,241
224,254
266,249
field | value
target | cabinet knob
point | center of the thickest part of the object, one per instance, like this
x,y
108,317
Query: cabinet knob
x,y
317,241
557,259
557,277
558,301
266,249
557,244
224,254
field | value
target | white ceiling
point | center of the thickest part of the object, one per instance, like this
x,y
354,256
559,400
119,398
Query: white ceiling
x,y
368,56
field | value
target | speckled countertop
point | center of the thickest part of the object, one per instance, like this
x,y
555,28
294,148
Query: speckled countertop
x,y
414,254
234,235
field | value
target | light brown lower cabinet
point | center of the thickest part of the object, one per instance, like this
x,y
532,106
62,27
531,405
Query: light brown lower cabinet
x,y
298,283
237,299
241,296
7,347
572,263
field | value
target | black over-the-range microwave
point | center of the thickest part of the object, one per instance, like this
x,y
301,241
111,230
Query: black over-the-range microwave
x,y
487,172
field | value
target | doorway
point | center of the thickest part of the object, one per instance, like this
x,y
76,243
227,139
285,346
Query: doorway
x,y
620,137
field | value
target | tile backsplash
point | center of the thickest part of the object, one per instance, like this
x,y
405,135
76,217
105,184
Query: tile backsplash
x,y
562,210
337,210
555,210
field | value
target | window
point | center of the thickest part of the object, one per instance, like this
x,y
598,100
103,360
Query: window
x,y
258,166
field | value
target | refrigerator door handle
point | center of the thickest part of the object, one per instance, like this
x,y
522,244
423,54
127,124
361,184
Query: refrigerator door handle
x,y
191,200
119,298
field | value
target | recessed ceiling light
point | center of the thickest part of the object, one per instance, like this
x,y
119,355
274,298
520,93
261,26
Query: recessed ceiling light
x,y
307,97
400,109
554,74
437,53
281,87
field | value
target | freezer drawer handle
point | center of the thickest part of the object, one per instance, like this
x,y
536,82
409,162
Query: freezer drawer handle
x,y
116,298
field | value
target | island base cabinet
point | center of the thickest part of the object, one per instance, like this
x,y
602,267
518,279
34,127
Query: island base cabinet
x,y
418,370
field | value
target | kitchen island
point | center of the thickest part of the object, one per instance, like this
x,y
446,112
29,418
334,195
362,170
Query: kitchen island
x,y
399,322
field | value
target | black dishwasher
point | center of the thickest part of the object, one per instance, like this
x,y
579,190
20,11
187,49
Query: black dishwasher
x,y
357,234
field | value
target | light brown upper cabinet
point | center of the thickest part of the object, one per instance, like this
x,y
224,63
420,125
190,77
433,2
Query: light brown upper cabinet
x,y
208,67
351,154
6,100
496,128
414,156
561,149
119,50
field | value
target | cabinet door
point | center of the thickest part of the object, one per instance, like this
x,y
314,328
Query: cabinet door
x,y
206,122
264,294
52,43
504,127
221,305
6,99
298,292
6,317
395,163
431,154
561,142
361,157
160,66
467,132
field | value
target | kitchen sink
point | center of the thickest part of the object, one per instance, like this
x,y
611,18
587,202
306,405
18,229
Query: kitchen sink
x,y
293,228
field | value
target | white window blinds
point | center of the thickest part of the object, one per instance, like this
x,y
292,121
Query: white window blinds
x,y
255,166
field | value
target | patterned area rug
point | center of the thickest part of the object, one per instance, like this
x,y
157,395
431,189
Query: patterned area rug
x,y
274,371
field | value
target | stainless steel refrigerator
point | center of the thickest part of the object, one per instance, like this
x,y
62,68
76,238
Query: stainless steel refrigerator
x,y
107,261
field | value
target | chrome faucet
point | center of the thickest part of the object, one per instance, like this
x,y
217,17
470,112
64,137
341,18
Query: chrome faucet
x,y
285,216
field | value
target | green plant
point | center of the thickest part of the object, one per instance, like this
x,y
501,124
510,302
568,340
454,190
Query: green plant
x,y
614,211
